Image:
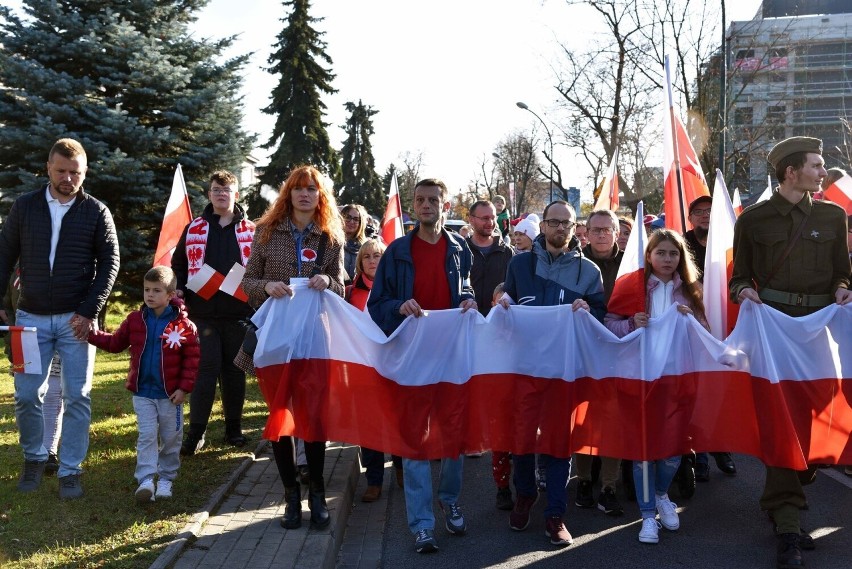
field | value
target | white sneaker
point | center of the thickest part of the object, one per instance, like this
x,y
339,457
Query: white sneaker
x,y
145,492
164,489
668,513
650,532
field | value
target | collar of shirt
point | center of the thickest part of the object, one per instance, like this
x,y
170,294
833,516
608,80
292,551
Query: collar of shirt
x,y
300,233
784,207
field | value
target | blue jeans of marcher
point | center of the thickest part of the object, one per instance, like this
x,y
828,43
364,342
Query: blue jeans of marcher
x,y
160,425
374,463
660,476
418,489
558,471
78,363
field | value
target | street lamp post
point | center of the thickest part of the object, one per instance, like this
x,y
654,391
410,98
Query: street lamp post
x,y
522,105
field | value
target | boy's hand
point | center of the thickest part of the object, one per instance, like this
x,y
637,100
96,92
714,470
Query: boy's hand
x,y
178,397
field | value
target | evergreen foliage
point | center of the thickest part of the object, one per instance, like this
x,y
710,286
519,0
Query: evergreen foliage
x,y
126,79
360,181
299,135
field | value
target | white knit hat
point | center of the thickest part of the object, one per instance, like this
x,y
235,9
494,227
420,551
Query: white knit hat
x,y
529,226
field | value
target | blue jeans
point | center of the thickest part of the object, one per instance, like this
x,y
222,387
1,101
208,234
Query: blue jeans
x,y
557,470
78,363
160,425
418,489
660,476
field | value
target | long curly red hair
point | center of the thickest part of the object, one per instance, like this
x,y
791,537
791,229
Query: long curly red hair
x,y
325,216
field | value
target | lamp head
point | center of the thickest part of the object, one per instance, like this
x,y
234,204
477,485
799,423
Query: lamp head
x,y
522,105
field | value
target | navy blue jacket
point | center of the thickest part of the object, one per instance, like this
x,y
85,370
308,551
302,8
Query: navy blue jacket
x,y
394,282
536,279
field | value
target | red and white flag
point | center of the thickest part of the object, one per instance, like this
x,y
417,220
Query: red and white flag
x,y
683,178
178,215
608,196
233,283
721,313
26,357
736,202
206,282
775,389
840,192
392,221
767,193
628,294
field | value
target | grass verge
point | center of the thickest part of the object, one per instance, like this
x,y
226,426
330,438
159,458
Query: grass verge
x,y
106,528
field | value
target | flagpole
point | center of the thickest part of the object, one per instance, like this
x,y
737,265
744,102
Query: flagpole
x,y
674,146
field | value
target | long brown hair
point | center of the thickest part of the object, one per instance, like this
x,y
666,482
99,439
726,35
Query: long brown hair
x,y
686,268
325,216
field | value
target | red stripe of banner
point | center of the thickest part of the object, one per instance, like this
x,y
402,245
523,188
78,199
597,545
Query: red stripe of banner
x,y
786,424
211,286
18,359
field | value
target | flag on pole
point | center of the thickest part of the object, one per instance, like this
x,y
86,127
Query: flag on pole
x,y
26,357
178,215
392,221
205,282
628,293
767,193
684,181
608,191
736,202
233,283
840,192
721,313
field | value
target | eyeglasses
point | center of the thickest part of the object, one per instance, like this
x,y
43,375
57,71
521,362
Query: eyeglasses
x,y
701,212
554,223
350,218
601,231
222,191
484,217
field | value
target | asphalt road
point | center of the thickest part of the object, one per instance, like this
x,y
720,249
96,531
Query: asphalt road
x,y
721,526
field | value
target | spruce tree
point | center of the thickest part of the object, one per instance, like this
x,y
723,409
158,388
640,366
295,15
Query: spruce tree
x,y
359,180
126,79
299,135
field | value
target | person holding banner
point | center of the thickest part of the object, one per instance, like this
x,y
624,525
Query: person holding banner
x,y
66,243
214,244
299,236
789,253
672,279
355,219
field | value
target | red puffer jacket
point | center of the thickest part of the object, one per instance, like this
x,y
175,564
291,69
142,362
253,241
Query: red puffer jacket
x,y
179,363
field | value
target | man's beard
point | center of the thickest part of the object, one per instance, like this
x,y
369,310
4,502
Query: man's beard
x,y
557,241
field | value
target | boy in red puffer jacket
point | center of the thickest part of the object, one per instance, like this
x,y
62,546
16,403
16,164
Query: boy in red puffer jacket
x,y
164,356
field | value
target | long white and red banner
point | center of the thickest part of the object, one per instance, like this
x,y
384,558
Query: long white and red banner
x,y
546,379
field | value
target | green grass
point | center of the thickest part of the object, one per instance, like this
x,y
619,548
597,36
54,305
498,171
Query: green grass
x,y
106,528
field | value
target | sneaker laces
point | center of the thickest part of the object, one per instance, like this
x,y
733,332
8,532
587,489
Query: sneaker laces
x,y
651,522
455,511
666,506
30,471
422,535
68,481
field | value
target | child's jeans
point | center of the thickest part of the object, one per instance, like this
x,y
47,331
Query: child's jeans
x,y
159,421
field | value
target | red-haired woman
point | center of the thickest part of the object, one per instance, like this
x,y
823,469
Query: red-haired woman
x,y
300,235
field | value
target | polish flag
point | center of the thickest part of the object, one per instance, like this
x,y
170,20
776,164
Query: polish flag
x,y
392,221
608,193
26,357
178,215
721,313
736,202
233,283
684,180
767,193
775,389
840,192
628,294
206,282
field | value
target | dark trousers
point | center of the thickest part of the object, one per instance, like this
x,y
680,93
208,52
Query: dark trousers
x,y
374,462
783,496
285,459
220,340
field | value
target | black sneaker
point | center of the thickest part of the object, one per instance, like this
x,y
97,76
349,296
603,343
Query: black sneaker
x,y
31,476
52,466
609,504
504,499
585,499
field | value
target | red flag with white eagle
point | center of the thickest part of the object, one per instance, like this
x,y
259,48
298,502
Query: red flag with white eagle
x,y
684,180
178,215
392,221
628,294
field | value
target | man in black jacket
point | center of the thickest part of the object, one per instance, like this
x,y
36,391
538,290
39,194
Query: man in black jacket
x,y
220,238
66,244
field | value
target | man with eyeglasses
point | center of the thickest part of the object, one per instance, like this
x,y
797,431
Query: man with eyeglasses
x,y
219,238
696,238
554,273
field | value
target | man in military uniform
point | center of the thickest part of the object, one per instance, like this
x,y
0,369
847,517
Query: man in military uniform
x,y
789,253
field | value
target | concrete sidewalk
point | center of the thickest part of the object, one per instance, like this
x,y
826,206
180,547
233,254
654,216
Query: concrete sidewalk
x,y
240,525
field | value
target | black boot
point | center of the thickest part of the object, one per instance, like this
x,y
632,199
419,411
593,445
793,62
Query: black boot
x,y
292,507
320,517
686,476
234,435
194,439
789,551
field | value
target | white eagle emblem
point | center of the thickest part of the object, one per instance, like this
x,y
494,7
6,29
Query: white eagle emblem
x,y
815,234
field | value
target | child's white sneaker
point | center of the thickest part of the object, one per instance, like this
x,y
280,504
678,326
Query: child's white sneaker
x,y
145,492
650,532
164,489
668,513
